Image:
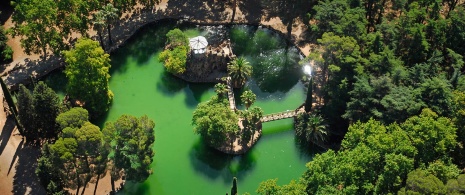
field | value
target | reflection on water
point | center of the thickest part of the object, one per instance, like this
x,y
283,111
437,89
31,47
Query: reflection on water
x,y
214,164
275,63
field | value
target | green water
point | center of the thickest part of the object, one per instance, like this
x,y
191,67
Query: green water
x,y
182,163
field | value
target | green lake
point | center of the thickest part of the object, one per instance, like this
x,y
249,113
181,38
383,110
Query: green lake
x,y
182,163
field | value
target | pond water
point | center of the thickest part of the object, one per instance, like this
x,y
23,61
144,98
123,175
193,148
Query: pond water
x,y
182,163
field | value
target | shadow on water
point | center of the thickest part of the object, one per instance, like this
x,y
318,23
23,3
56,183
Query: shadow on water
x,y
146,42
215,164
307,150
274,69
170,85
195,92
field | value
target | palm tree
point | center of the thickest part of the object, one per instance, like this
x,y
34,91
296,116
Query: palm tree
x,y
221,89
239,70
316,129
248,97
111,14
99,25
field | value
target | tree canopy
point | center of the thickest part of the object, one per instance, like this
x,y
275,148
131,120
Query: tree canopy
x,y
176,51
87,71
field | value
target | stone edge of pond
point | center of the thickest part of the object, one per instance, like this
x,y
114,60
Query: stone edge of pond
x,y
26,71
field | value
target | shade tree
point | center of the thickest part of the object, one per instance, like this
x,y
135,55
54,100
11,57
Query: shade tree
x,y
130,142
87,71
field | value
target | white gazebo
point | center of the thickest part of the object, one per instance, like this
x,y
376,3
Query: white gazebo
x,y
198,44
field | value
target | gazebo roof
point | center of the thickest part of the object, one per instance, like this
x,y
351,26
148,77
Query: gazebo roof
x,y
198,43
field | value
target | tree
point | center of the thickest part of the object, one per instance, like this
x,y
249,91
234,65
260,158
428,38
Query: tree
x,y
130,141
234,187
309,98
46,105
99,24
268,187
221,90
26,113
88,74
111,14
73,118
433,136
6,53
310,128
437,94
420,182
176,50
35,21
248,97
239,70
214,121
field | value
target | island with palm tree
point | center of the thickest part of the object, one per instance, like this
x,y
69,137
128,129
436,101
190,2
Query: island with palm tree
x,y
218,121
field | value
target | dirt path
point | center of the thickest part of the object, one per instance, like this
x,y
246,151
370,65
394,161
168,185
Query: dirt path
x,y
18,161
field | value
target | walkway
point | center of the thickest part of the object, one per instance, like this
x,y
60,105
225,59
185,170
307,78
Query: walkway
x,y
232,101
278,116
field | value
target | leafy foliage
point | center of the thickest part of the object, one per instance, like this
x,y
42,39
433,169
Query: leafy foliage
x,y
239,70
214,121
87,71
6,53
310,128
176,51
38,110
130,142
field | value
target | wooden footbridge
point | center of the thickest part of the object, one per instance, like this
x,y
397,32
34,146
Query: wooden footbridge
x,y
264,119
278,116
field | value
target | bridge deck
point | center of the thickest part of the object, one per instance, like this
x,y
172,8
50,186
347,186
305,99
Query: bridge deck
x,y
232,102
278,116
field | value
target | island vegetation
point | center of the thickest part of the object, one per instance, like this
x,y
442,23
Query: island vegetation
x,y
390,80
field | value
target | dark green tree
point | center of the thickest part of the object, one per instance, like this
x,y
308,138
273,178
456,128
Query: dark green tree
x,y
420,182
234,187
26,113
46,105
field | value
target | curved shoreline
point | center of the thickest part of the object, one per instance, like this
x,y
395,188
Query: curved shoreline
x,y
27,70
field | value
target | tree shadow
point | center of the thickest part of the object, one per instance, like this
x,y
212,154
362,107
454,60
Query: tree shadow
x,y
7,10
6,133
25,180
169,84
15,155
287,11
199,10
215,164
252,10
195,91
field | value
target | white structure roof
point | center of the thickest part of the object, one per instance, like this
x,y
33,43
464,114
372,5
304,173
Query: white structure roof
x,y
198,44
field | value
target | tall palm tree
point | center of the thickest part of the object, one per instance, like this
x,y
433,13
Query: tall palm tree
x,y
248,97
221,89
111,14
316,129
239,70
99,25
